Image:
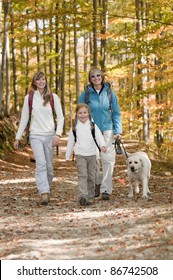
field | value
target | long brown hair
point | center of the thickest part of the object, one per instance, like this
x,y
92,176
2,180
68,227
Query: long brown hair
x,y
83,105
46,91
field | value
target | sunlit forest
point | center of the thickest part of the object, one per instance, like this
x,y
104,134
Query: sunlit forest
x,y
131,41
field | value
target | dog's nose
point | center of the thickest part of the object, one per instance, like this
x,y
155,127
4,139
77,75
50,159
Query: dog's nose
x,y
132,168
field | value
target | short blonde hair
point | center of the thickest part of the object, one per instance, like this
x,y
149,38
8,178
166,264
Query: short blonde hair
x,y
92,71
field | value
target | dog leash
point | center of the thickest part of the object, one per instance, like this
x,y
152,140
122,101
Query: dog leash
x,y
118,148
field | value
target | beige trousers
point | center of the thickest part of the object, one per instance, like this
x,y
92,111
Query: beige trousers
x,y
108,163
86,168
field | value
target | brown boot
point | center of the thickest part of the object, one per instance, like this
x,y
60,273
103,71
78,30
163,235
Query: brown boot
x,y
44,198
97,190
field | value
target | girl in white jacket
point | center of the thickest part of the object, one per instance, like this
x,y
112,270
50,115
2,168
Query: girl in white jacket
x,y
85,150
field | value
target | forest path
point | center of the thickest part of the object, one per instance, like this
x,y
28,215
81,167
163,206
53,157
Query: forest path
x,y
121,228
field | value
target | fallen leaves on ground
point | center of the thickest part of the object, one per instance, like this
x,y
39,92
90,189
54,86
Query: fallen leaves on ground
x,y
121,228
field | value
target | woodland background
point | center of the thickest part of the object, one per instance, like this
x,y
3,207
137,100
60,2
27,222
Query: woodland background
x,y
130,40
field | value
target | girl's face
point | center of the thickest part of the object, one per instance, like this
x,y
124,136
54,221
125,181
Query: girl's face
x,y
96,78
83,114
40,84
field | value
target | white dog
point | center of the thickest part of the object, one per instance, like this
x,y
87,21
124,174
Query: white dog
x,y
138,170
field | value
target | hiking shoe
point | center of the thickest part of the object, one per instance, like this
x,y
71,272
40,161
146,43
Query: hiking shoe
x,y
84,202
105,196
97,190
44,198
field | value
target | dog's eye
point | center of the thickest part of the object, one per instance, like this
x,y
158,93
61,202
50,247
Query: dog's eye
x,y
130,162
136,162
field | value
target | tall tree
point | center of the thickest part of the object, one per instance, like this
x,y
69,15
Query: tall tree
x,y
95,50
14,66
63,68
104,25
6,7
76,55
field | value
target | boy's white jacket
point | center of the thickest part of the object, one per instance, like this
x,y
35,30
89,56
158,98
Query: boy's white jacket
x,y
85,144
42,121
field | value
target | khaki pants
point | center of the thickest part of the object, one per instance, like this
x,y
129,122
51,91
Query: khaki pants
x,y
108,162
86,167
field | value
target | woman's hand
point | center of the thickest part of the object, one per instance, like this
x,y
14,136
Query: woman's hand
x,y
16,144
117,136
56,139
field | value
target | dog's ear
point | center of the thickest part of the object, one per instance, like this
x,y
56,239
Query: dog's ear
x,y
142,164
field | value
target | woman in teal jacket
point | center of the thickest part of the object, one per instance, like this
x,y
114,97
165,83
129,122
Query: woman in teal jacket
x,y
105,112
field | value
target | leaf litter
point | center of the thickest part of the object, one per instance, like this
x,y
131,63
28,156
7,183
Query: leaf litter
x,y
120,228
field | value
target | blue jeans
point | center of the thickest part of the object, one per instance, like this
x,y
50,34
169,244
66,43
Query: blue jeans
x,y
43,153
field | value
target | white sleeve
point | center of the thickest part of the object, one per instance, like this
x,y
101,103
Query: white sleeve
x,y
24,119
70,144
60,117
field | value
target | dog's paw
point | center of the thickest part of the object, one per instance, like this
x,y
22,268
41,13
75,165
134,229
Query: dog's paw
x,y
130,195
137,189
145,196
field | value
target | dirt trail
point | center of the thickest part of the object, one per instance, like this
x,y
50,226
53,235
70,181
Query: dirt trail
x,y
117,229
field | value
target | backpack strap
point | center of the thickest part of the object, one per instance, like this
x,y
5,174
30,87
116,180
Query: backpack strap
x,y
109,94
52,101
87,95
74,130
92,132
93,135
30,103
53,109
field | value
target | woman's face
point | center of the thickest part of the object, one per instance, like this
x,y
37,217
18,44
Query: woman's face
x,y
96,78
40,84
82,114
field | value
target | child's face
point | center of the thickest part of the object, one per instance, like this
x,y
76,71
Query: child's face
x,y
83,114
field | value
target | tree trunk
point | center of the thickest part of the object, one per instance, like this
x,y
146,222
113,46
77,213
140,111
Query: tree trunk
x,y
27,59
57,59
76,56
50,60
7,107
104,23
44,46
69,82
142,71
86,35
63,71
37,44
1,42
14,68
95,59
6,6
